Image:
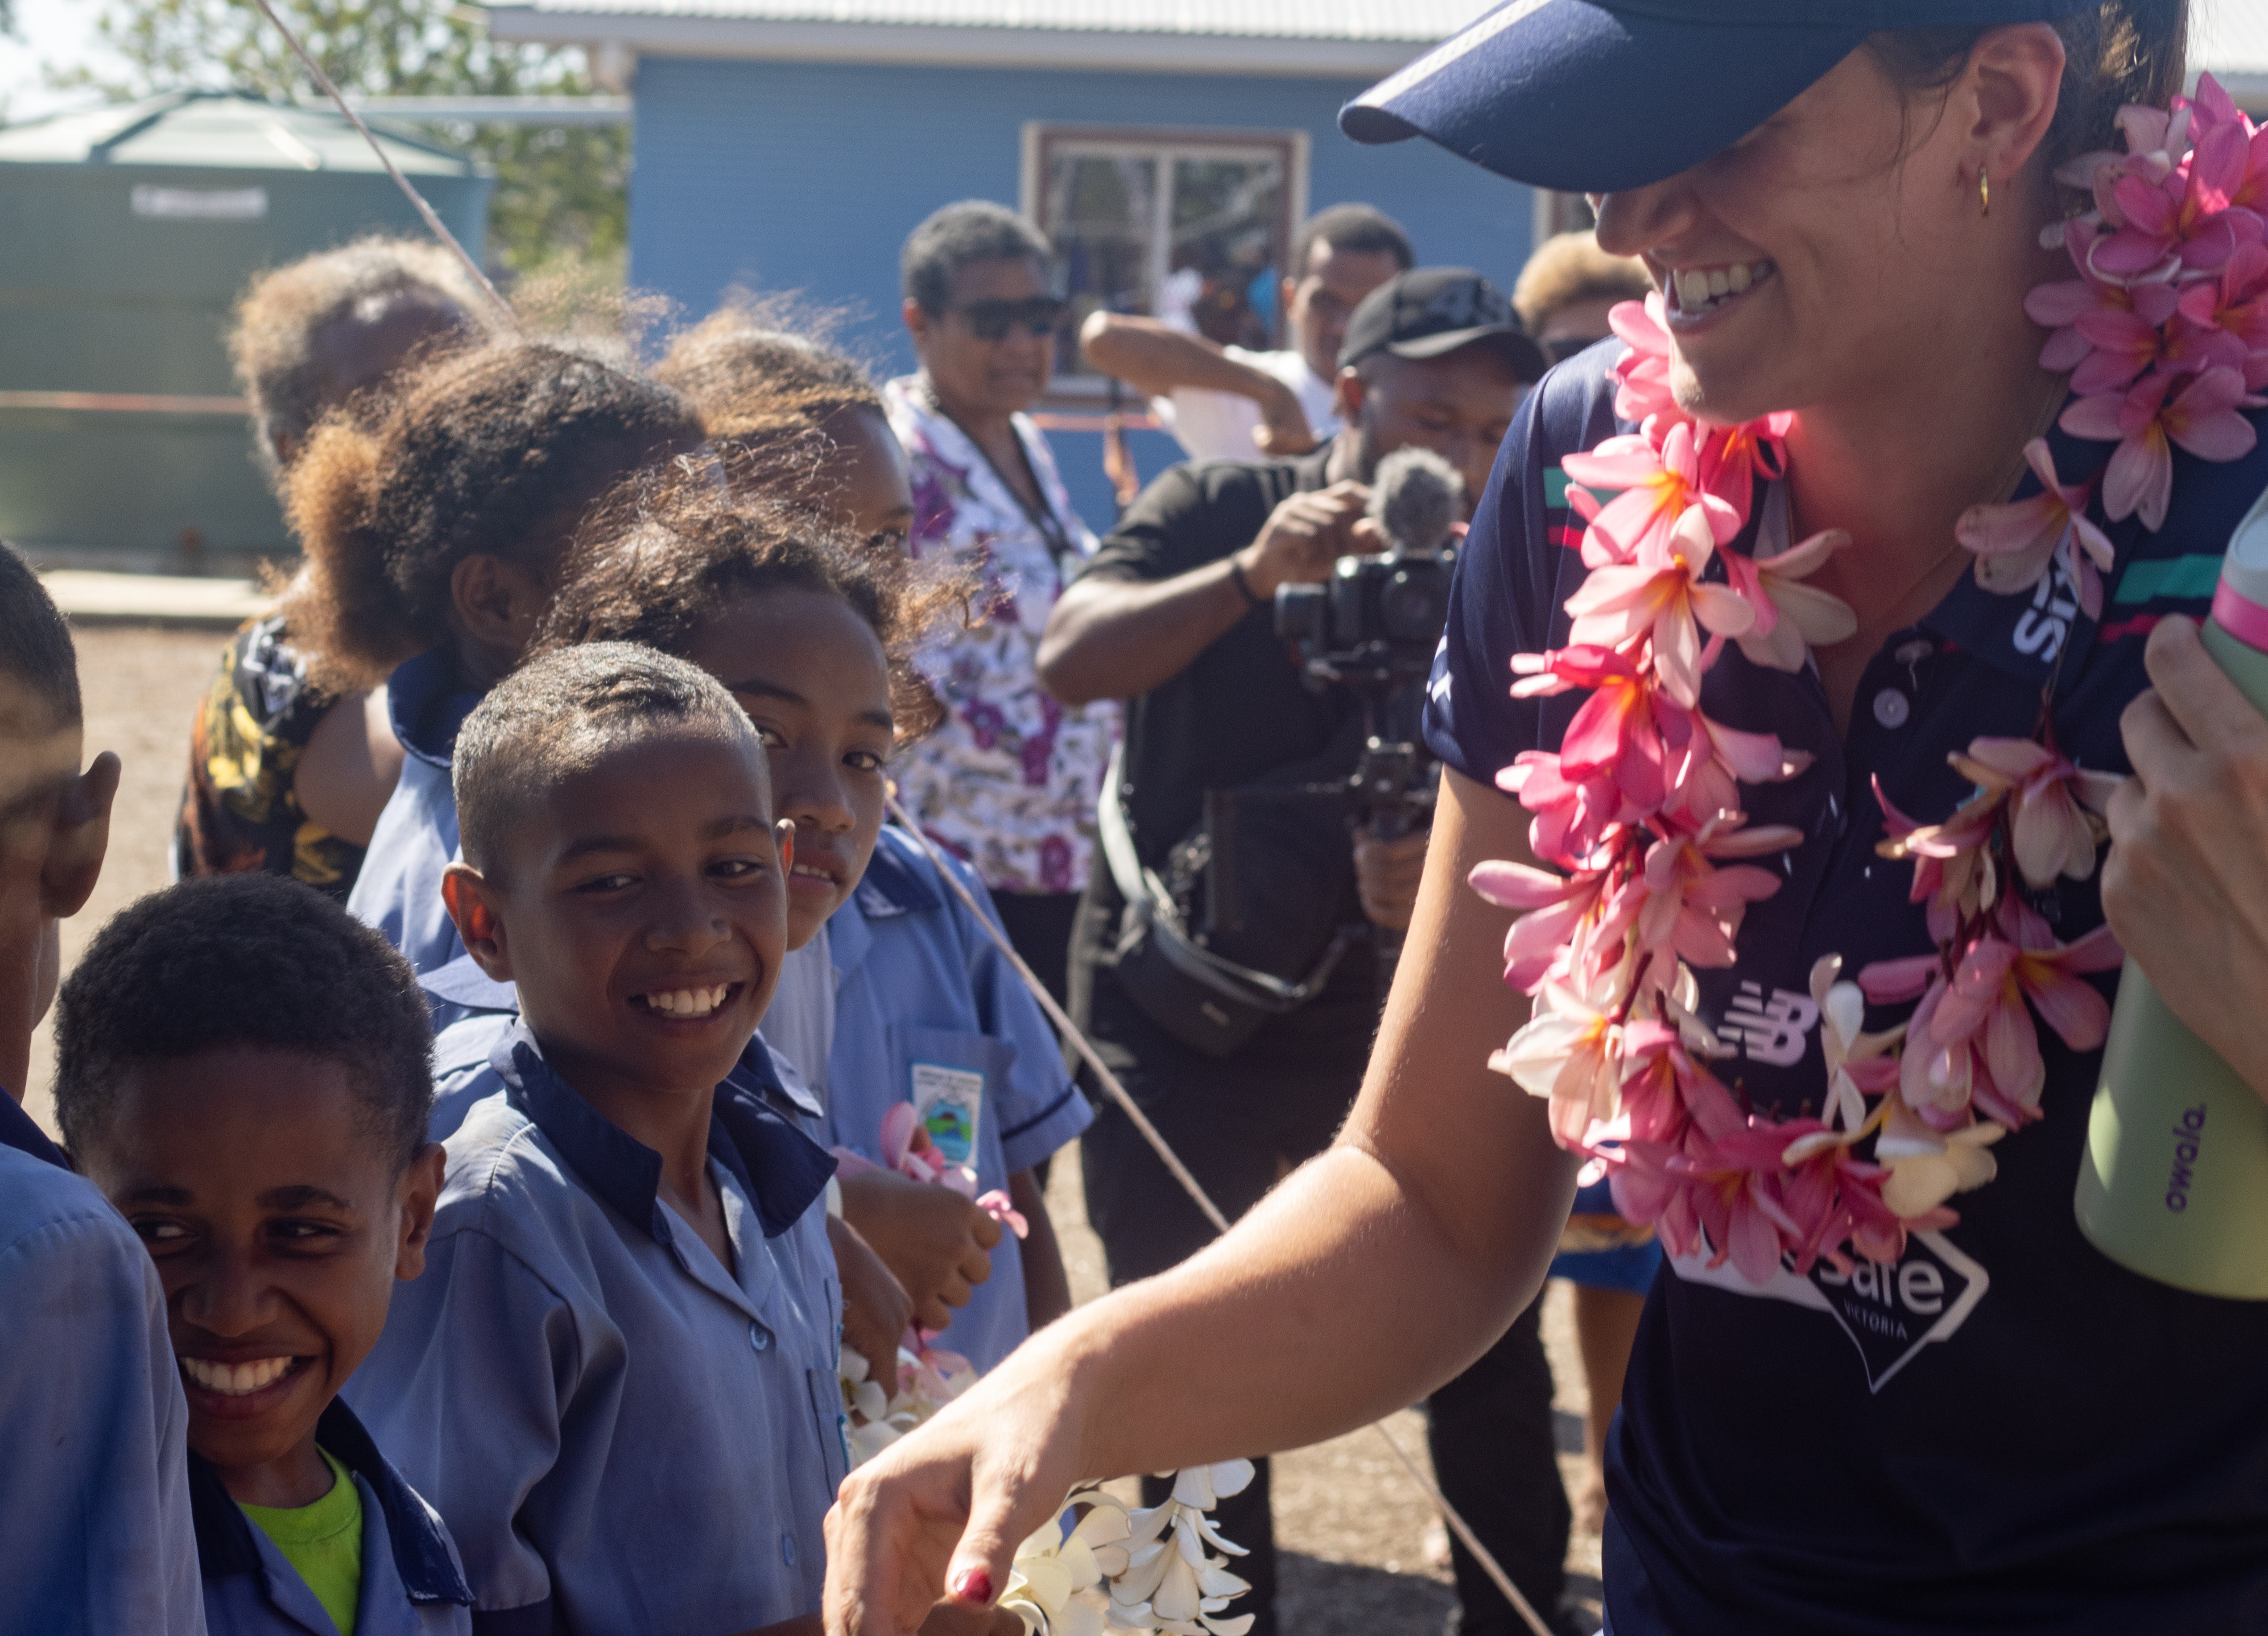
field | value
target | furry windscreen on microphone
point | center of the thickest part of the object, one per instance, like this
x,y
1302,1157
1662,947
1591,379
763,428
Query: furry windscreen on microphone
x,y
1416,499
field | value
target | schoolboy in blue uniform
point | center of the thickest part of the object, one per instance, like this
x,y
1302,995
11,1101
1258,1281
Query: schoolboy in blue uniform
x,y
617,1378
94,1508
243,1068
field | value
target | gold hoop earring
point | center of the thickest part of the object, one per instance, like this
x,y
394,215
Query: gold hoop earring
x,y
1984,192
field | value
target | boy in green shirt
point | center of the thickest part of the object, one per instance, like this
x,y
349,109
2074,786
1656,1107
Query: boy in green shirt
x,y
245,1070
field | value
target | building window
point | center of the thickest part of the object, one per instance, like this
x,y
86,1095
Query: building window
x,y
1190,226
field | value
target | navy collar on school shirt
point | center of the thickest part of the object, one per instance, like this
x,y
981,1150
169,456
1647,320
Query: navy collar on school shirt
x,y
20,1131
421,1553
782,1169
427,702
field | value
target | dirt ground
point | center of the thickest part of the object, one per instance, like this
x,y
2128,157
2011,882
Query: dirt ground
x,y
1362,1546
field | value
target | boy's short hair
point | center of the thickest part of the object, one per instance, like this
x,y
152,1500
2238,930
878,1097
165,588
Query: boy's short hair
x,y
35,644
555,714
962,235
1363,229
244,959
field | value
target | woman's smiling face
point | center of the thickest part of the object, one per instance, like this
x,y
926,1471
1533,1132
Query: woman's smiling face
x,y
813,678
1820,256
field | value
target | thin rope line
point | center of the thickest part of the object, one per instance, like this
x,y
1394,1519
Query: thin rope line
x,y
440,228
1124,1099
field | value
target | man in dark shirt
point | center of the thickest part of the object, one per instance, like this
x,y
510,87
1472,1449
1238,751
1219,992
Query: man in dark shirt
x,y
1174,614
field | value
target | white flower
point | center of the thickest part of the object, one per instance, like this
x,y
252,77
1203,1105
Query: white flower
x,y
1841,1017
1928,1167
1172,1583
927,1381
1054,1586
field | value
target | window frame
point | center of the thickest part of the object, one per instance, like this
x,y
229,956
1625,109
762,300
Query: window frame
x,y
1044,139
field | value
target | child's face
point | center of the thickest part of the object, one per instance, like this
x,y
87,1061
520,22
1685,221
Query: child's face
x,y
812,675
279,1224
641,908
875,494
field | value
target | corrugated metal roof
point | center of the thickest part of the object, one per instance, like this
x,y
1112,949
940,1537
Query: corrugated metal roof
x,y
215,130
1415,21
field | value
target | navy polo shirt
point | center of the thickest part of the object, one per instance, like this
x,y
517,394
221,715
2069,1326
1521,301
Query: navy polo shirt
x,y
95,1536
411,1582
2005,1431
624,1435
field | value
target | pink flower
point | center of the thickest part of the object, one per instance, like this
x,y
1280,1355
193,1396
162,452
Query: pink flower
x,y
2124,339
1718,760
2015,543
1660,1080
1694,908
1791,617
2186,219
1642,394
1661,593
1734,458
1572,816
1553,912
1657,488
1569,1052
2234,308
2147,421
996,1205
1953,864
2059,306
1629,728
2048,972
2055,805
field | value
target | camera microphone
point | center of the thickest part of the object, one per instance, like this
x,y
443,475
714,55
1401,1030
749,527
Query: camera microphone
x,y
1416,499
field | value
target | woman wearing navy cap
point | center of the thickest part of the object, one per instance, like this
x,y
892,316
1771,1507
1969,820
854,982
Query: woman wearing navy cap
x,y
1823,985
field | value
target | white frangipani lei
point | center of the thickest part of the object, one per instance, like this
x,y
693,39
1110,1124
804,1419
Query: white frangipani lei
x,y
1149,1570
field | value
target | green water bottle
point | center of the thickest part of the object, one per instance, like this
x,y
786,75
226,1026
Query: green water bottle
x,y
2174,1183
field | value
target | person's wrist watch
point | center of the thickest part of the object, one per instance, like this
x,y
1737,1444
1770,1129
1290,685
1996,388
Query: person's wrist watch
x,y
1252,597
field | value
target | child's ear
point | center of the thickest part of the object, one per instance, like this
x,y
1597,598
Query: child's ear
x,y
421,1192
783,832
498,602
474,904
80,837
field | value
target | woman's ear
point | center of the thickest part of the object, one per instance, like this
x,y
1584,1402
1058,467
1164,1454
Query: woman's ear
x,y
421,1192
473,903
2011,86
917,321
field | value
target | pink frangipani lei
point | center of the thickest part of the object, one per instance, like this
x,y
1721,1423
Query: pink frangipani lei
x,y
1649,862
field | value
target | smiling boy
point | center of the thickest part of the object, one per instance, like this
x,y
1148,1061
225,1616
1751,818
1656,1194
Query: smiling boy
x,y
243,1068
617,1378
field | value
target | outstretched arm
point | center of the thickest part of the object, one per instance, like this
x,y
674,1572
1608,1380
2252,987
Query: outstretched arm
x,y
1386,1265
1158,360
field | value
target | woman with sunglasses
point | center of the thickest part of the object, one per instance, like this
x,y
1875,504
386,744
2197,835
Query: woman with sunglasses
x,y
1951,1413
1008,781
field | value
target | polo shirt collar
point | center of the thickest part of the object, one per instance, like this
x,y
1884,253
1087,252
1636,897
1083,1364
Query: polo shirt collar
x,y
225,1546
894,886
461,983
427,702
18,1130
782,1169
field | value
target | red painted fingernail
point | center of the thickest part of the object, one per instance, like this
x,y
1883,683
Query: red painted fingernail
x,y
973,1585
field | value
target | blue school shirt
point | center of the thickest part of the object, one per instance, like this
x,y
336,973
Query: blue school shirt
x,y
412,1583
398,890
624,1435
95,1535
920,989
2007,1431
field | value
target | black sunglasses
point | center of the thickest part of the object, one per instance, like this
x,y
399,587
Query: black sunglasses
x,y
989,320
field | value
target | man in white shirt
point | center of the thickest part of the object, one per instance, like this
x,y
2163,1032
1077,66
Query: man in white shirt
x,y
1226,403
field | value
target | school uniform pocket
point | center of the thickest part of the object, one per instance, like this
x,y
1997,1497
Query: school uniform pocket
x,y
954,1079
826,1390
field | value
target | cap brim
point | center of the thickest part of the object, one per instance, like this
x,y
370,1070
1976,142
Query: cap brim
x,y
1566,95
1525,356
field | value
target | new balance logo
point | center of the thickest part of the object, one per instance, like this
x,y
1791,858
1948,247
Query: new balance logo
x,y
1769,1029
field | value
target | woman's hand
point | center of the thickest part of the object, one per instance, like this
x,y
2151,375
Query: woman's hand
x,y
948,1507
2185,885
938,1245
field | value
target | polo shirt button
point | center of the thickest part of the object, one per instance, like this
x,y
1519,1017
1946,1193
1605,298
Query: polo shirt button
x,y
787,1548
1892,707
757,1339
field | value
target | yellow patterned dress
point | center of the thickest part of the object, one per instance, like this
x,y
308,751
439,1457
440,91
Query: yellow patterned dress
x,y
239,811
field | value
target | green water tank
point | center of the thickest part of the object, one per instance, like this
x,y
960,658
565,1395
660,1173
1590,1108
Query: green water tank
x,y
126,234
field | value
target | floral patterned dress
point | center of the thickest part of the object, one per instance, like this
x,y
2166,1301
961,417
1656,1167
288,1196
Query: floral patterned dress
x,y
1009,781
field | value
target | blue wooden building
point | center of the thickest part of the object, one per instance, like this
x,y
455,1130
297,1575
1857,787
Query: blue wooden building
x,y
1169,147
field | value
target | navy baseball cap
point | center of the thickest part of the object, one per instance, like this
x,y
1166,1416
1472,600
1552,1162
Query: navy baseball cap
x,y
1590,95
1430,311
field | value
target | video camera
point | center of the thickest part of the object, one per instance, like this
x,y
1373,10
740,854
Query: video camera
x,y
1373,628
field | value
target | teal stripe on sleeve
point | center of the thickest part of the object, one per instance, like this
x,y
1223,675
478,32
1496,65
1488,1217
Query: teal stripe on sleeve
x,y
2191,577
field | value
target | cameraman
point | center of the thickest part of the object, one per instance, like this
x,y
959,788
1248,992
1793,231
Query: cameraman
x,y
1175,615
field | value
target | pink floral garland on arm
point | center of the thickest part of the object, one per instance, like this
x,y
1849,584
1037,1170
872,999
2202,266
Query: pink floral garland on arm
x,y
2166,331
